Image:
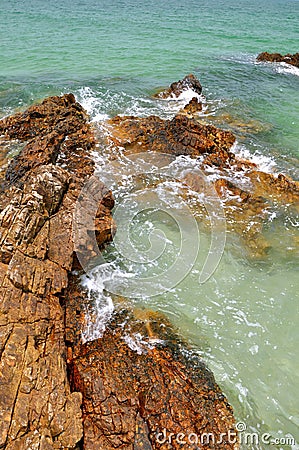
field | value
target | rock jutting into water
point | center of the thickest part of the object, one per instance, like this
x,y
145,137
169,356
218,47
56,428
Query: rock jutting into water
x,y
55,391
190,82
277,57
139,390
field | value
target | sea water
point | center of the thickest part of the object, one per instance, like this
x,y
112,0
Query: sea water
x,y
113,56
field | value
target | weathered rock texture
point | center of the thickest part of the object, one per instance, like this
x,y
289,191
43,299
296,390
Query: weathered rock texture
x,y
178,136
37,408
178,87
247,193
277,57
56,132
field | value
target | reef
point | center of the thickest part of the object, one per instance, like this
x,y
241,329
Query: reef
x,y
57,392
277,57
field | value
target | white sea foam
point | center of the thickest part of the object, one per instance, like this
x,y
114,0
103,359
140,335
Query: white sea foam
x,y
100,102
287,68
265,163
92,104
139,343
188,94
172,104
281,67
240,58
101,305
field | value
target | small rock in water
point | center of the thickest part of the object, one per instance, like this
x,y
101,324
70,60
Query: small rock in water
x,y
190,82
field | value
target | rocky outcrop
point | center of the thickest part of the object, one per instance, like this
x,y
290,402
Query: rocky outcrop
x,y
190,82
138,399
56,132
55,391
37,407
277,57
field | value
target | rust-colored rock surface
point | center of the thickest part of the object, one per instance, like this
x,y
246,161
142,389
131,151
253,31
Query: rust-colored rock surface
x,y
56,132
178,87
61,114
178,136
193,107
277,57
38,410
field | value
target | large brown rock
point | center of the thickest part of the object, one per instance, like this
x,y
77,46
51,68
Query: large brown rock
x,y
37,407
277,57
61,114
178,136
56,131
140,382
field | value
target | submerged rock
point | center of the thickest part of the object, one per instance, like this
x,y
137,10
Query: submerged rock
x,y
190,82
277,57
239,126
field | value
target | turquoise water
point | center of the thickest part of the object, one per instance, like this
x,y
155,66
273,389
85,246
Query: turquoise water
x,y
113,56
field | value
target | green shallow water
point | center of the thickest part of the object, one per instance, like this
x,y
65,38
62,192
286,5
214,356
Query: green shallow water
x,y
244,319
